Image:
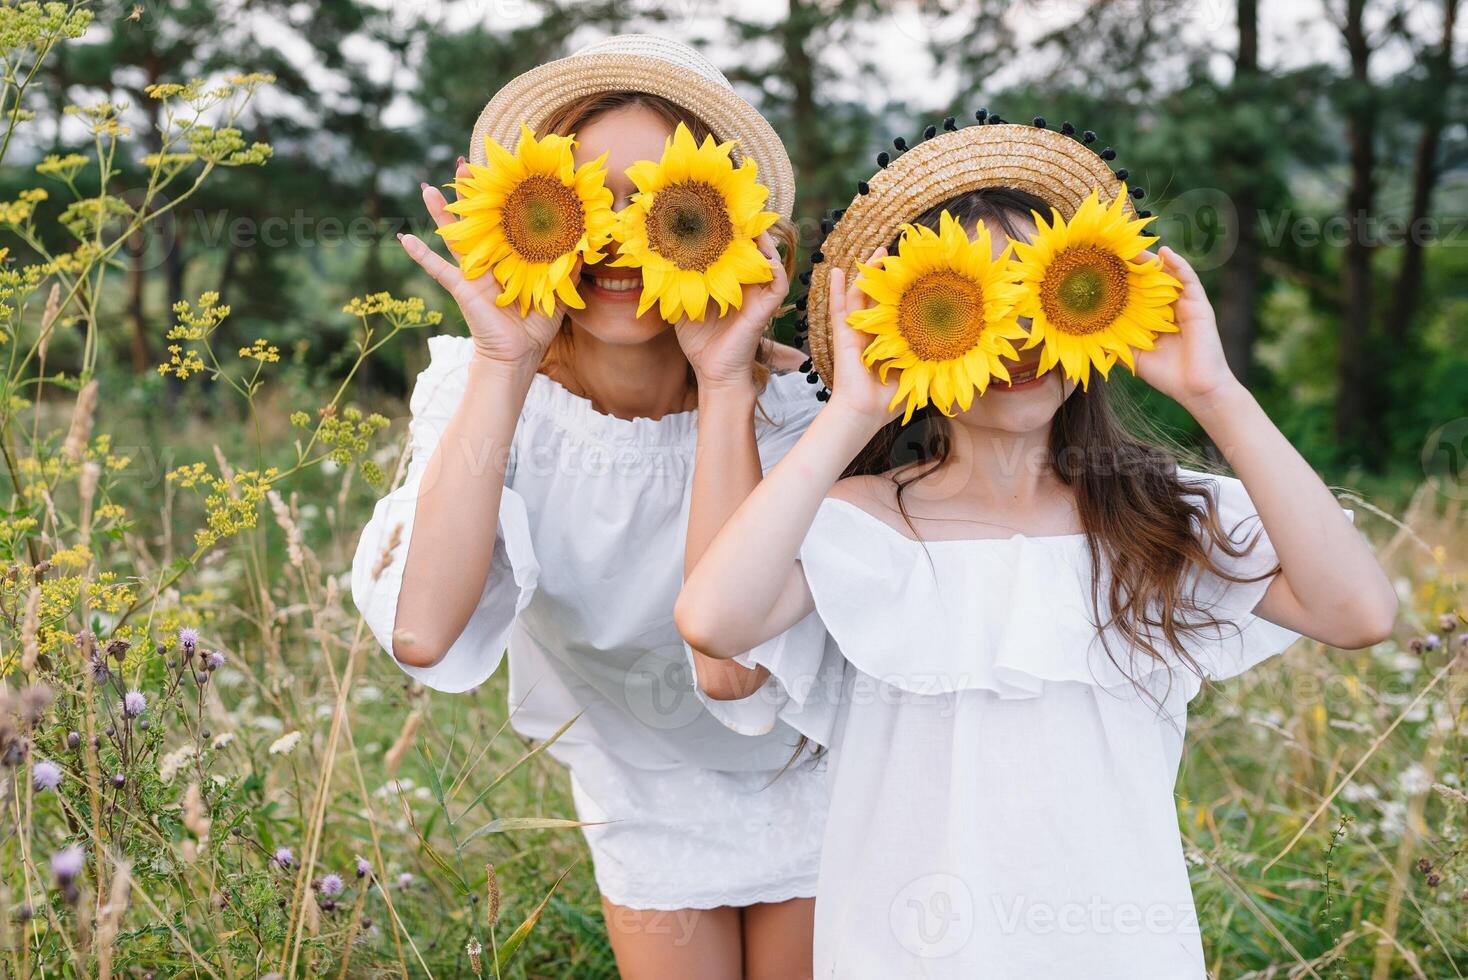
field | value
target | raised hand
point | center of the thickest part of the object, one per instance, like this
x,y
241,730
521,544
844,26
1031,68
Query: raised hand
x,y
500,333
1188,366
721,349
856,389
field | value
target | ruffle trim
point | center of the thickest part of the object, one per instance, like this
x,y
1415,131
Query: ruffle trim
x,y
632,898
787,399
1010,616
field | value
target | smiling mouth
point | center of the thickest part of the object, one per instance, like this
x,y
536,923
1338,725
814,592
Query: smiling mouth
x,y
612,286
1020,376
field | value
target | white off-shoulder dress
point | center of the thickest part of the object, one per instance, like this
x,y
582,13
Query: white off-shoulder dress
x,y
1001,791
588,562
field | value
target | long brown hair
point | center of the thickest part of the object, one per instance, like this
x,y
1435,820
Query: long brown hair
x,y
572,116
1149,530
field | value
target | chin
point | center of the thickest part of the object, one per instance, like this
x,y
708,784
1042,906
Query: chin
x,y
610,315
1024,407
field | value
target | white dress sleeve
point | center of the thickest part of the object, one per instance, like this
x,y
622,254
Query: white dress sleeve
x,y
1244,639
382,551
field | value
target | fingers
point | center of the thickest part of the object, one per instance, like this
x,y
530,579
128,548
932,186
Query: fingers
x,y
1180,268
437,205
836,298
444,272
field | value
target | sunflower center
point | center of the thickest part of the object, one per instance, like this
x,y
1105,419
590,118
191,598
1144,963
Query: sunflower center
x,y
543,218
688,224
1085,289
941,315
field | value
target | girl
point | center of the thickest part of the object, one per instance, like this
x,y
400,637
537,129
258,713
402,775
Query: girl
x,y
998,639
545,507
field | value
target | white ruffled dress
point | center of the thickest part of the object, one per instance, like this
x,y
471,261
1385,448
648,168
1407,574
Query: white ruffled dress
x,y
588,563
1001,791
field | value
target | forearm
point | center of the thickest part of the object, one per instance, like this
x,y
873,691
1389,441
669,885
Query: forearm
x,y
1335,587
740,592
726,464
457,514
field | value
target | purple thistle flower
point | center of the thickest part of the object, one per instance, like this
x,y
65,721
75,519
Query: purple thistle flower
x,y
68,862
1431,641
97,667
284,857
330,884
214,660
405,880
188,638
133,703
363,868
45,774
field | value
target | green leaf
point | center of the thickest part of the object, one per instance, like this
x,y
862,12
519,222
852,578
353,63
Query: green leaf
x,y
522,931
484,794
504,824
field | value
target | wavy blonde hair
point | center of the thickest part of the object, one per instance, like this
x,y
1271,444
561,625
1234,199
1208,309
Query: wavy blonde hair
x,y
567,119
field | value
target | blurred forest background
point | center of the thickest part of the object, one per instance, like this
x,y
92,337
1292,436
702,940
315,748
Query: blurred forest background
x,y
1311,156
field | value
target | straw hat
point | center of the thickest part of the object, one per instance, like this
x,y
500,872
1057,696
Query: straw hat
x,y
1059,167
640,63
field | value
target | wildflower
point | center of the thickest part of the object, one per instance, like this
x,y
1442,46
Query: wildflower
x,y
67,863
1431,641
284,744
329,884
97,667
133,703
45,774
405,880
118,647
363,868
1424,865
284,857
1447,622
473,948
214,660
1415,780
33,703
188,638
492,890
73,739
1434,879
119,780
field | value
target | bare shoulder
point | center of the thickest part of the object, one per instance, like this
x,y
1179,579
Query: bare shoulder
x,y
877,495
785,358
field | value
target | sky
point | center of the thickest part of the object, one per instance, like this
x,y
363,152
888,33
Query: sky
x,y
1292,32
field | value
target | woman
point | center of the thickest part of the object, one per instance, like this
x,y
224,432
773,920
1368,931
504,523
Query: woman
x,y
545,507
998,639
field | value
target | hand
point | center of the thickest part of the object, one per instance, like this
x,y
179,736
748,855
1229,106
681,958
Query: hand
x,y
1188,366
721,349
856,389
500,333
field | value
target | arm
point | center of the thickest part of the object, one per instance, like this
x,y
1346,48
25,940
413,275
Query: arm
x,y
1330,586
457,511
748,586
726,460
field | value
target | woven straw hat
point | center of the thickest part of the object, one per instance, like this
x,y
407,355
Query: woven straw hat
x,y
1058,167
640,63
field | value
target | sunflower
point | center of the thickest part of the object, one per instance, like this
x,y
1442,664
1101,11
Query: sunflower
x,y
1090,297
943,315
528,216
691,228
